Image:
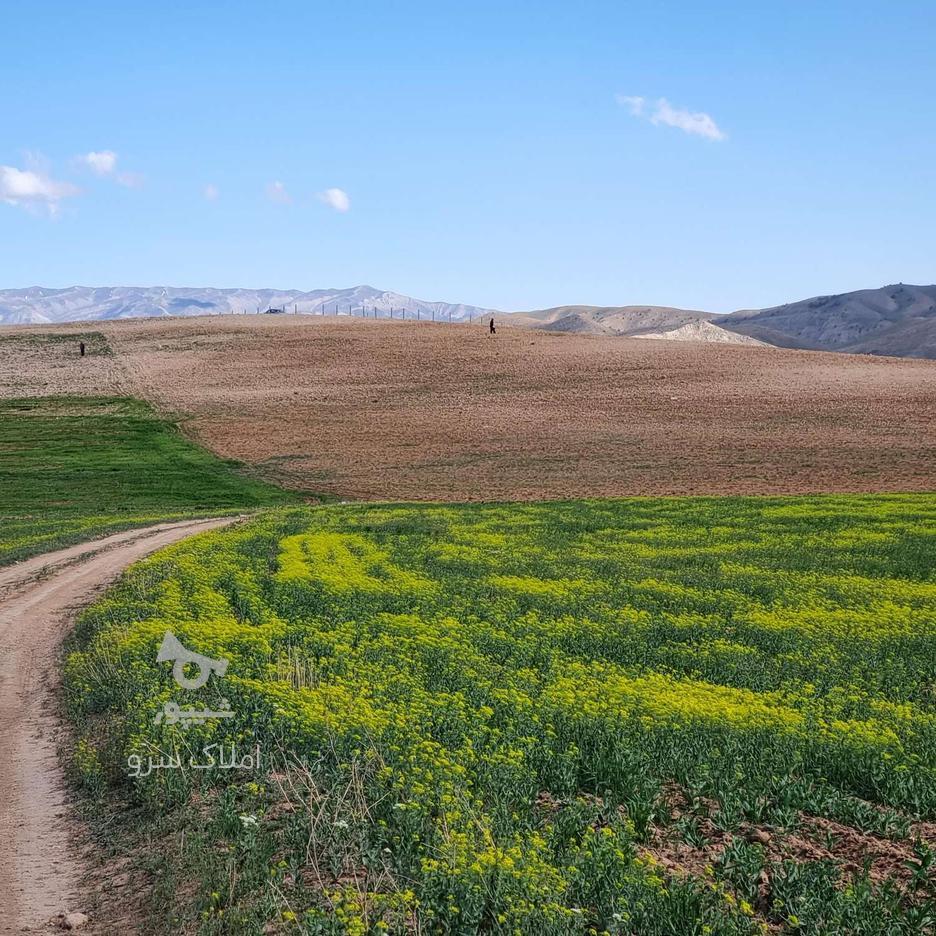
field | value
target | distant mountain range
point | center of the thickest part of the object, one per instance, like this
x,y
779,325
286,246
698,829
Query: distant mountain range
x,y
898,320
38,305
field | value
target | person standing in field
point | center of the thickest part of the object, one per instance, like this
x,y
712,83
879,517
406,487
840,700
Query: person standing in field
x,y
81,348
493,329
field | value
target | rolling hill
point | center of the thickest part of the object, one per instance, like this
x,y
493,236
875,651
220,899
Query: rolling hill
x,y
898,320
608,320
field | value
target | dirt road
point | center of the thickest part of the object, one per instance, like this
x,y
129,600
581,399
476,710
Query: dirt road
x,y
39,871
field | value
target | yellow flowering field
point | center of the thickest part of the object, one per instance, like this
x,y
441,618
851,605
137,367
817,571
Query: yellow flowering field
x,y
643,716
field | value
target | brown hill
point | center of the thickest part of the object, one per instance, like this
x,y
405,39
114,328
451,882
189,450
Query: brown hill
x,y
897,320
414,410
608,320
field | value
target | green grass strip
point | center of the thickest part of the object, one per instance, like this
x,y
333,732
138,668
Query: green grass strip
x,y
73,468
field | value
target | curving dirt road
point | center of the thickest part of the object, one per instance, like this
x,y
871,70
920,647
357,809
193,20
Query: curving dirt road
x,y
39,870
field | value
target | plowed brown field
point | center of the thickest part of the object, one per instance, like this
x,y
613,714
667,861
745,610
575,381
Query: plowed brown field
x,y
408,410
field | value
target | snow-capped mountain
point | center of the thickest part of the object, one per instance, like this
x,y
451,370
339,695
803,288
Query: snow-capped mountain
x,y
38,305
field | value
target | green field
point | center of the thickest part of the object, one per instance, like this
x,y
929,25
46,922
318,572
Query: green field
x,y
647,716
73,468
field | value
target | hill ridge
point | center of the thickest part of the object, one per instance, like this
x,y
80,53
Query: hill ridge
x,y
897,320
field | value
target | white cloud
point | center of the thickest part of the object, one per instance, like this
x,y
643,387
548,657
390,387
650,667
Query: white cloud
x,y
661,112
104,163
211,192
698,123
276,192
101,163
33,189
335,198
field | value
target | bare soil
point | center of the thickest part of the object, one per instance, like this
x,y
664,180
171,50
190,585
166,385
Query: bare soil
x,y
41,860
417,411
815,839
420,411
46,361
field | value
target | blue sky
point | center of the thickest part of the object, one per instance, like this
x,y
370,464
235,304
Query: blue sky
x,y
491,153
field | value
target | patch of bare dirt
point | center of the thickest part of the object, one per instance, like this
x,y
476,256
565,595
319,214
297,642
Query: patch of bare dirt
x,y
815,839
47,362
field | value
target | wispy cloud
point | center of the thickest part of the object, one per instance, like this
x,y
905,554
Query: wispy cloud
x,y
661,112
276,192
101,162
130,179
634,104
33,189
335,198
211,192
